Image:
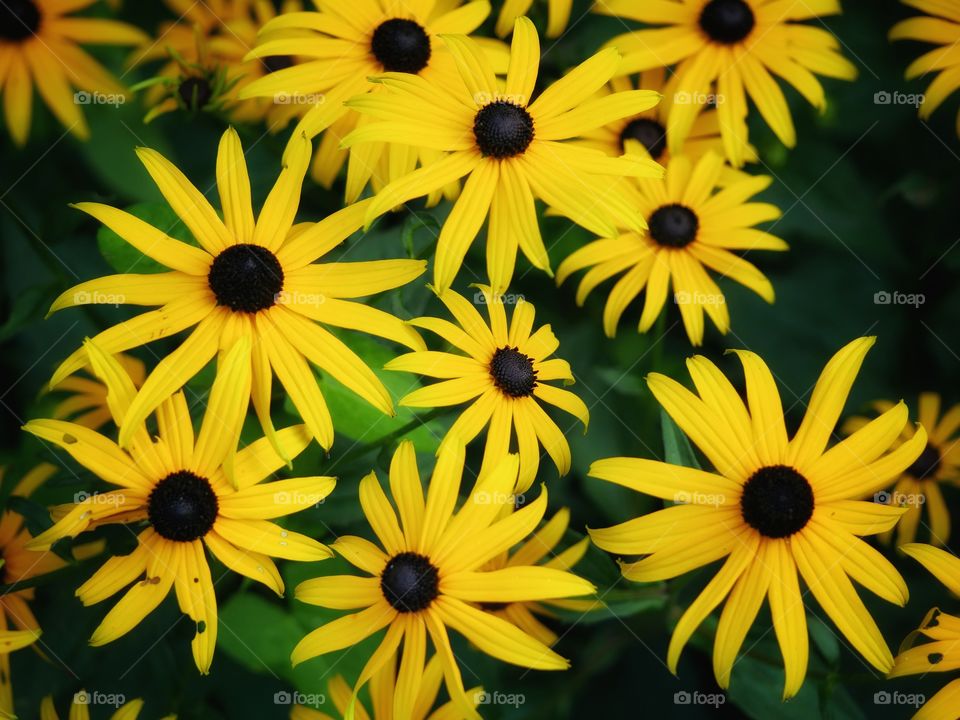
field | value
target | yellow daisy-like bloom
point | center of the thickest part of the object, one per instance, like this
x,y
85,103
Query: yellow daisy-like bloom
x,y
649,129
349,41
510,150
383,690
80,709
190,492
943,30
942,654
693,225
534,552
503,372
19,564
727,50
431,576
216,36
249,278
39,45
87,401
557,19
774,506
919,486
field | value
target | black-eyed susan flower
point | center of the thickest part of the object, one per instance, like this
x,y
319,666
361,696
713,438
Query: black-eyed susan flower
x,y
430,576
509,148
186,492
649,129
80,708
39,46
383,694
558,15
249,278
919,486
540,549
504,373
939,26
345,44
693,225
728,50
86,400
773,507
942,653
206,67
18,625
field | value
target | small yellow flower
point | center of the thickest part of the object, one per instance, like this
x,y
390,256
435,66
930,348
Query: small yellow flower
x,y
504,374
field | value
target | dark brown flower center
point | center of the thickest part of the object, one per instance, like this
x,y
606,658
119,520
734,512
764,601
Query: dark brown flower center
x,y
649,133
503,129
777,501
19,19
410,582
246,278
401,46
195,92
513,372
182,507
925,467
673,225
273,63
727,21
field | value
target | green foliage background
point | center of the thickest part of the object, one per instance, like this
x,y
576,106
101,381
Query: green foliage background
x,y
870,204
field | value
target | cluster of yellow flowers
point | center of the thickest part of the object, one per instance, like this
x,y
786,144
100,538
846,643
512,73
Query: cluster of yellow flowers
x,y
643,144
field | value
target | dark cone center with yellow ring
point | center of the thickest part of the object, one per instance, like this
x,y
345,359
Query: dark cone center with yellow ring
x,y
410,582
503,129
777,501
182,507
401,46
246,278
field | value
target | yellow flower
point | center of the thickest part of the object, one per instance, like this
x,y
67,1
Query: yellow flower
x,y
559,16
940,26
503,372
87,403
649,129
19,564
249,278
431,576
774,506
345,43
510,150
727,51
385,697
190,493
39,45
212,39
919,486
943,653
692,225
